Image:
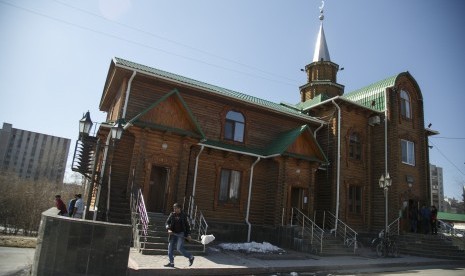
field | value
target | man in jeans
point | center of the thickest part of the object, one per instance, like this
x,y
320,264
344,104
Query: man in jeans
x,y
179,229
78,207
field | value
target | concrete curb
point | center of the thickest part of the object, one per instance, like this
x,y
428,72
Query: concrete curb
x,y
288,269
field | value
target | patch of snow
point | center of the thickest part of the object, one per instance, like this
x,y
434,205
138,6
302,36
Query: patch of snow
x,y
250,247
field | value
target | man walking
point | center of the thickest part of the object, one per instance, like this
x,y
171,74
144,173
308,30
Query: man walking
x,y
179,229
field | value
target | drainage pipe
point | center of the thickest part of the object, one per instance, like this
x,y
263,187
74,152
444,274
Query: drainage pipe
x,y
128,91
248,199
338,174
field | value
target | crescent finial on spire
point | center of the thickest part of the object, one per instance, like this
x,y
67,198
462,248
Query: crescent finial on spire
x,y
322,16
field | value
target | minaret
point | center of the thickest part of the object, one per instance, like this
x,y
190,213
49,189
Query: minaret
x,y
321,73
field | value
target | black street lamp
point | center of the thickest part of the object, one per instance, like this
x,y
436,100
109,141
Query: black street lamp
x,y
92,145
85,125
385,183
117,130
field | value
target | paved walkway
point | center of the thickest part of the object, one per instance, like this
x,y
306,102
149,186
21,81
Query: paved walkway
x,y
16,261
219,262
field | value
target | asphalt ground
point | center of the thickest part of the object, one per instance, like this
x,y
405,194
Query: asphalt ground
x,y
222,262
18,261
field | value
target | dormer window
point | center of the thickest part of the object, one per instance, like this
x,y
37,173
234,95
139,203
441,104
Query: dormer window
x,y
234,126
405,105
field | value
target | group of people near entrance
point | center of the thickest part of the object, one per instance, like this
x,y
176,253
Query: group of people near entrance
x,y
75,206
426,219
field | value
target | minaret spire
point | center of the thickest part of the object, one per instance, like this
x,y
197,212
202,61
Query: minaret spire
x,y
321,48
322,72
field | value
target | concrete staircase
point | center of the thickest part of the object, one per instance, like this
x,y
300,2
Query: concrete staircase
x,y
120,211
156,240
334,246
433,246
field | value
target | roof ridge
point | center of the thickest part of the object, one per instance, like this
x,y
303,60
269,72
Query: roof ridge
x,y
218,89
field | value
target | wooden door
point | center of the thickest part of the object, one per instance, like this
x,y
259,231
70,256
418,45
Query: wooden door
x,y
156,199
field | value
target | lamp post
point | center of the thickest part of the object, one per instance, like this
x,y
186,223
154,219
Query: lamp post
x,y
116,131
85,125
385,183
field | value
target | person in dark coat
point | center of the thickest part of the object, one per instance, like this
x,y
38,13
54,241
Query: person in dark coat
x,y
413,216
179,230
71,204
425,219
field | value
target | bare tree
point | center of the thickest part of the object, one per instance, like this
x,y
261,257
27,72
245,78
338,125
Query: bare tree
x,y
23,201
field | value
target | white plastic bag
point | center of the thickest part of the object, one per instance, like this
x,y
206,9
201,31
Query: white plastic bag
x,y
206,239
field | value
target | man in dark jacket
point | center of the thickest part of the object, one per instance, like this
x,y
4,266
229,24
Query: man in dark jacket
x,y
179,229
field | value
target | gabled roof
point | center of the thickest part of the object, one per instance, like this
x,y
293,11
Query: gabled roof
x,y
121,63
372,96
316,100
191,118
284,141
279,146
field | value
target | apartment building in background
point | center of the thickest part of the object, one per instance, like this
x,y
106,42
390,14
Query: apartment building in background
x,y
437,187
31,155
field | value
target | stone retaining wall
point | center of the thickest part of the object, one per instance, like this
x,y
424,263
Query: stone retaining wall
x,y
69,246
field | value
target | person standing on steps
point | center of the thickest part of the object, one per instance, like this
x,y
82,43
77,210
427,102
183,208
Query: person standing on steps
x,y
179,229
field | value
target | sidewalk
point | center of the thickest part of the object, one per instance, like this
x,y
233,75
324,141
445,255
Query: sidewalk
x,y
218,262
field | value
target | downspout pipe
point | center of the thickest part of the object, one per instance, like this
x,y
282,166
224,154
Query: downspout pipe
x,y
385,134
102,172
196,169
386,191
128,91
338,173
316,130
191,210
248,199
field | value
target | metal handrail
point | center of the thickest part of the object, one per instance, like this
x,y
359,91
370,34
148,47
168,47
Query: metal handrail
x,y
396,224
343,230
457,236
139,216
308,228
198,223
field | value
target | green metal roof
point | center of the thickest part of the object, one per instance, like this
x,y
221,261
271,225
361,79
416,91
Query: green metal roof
x,y
316,100
215,89
277,147
451,216
372,96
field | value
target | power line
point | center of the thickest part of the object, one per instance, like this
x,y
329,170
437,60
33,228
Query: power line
x,y
143,45
442,137
443,155
172,41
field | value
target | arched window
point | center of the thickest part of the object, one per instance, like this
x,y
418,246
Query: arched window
x,y
405,104
234,126
355,147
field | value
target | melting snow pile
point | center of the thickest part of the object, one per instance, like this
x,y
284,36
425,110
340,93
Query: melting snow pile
x,y
250,247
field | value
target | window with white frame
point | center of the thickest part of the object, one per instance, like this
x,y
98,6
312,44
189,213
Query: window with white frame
x,y
408,152
230,184
405,104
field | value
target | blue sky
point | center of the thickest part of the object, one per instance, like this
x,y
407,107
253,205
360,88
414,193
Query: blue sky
x,y
55,54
